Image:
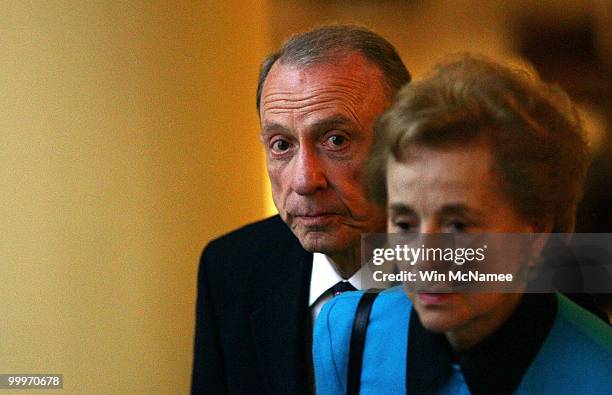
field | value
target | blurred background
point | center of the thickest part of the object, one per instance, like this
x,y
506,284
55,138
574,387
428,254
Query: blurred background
x,y
129,139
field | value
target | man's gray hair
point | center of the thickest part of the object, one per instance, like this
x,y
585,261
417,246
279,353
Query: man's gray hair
x,y
328,44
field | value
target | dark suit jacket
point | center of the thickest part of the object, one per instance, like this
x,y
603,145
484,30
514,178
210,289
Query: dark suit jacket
x,y
253,325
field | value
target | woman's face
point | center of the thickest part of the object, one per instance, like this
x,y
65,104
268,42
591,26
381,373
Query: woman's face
x,y
449,191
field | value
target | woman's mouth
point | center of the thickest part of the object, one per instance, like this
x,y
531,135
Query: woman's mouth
x,y
435,298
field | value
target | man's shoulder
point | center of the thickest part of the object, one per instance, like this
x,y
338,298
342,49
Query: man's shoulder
x,y
265,246
255,236
266,241
255,229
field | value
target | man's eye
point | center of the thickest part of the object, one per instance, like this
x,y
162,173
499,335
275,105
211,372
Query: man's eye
x,y
280,145
336,141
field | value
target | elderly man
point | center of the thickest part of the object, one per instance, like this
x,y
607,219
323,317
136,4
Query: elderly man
x,y
261,286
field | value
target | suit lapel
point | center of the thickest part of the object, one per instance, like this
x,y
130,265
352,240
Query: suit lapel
x,y
281,323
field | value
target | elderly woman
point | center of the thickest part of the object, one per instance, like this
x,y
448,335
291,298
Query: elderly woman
x,y
476,148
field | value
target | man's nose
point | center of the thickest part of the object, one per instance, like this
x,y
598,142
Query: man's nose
x,y
308,172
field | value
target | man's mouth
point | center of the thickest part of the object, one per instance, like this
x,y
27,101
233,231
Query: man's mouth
x,y
318,219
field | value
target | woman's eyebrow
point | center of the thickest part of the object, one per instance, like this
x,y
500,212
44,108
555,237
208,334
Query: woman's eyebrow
x,y
460,209
400,208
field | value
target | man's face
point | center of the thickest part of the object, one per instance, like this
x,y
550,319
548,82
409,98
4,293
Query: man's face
x,y
316,125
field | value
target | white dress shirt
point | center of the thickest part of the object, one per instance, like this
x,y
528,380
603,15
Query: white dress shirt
x,y
324,276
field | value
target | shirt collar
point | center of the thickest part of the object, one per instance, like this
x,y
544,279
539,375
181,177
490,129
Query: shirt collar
x,y
324,276
495,365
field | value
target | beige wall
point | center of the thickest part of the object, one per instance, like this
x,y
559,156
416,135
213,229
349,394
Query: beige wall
x,y
423,32
128,138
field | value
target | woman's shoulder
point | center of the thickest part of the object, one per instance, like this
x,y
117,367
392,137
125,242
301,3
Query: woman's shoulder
x,y
583,325
387,326
590,338
339,312
576,356
346,304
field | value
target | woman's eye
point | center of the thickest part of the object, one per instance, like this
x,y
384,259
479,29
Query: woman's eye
x,y
457,226
403,226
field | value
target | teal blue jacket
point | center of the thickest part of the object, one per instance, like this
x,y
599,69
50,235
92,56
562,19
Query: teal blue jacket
x,y
575,357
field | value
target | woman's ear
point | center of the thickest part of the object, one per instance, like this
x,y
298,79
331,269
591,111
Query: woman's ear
x,y
541,235
547,227
537,246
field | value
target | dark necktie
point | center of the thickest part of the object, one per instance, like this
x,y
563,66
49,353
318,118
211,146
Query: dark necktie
x,y
340,287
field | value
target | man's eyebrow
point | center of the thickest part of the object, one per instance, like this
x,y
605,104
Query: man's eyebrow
x,y
319,126
271,127
336,121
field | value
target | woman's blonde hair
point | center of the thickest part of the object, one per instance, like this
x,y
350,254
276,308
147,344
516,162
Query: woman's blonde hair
x,y
535,135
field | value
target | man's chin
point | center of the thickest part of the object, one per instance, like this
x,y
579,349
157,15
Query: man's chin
x,y
322,242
